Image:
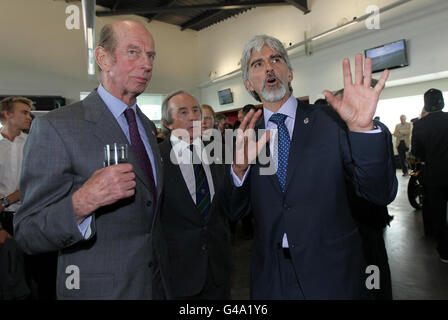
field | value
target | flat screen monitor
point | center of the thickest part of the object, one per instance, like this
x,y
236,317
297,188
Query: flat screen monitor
x,y
225,96
388,56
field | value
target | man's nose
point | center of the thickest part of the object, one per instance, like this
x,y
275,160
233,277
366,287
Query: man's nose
x,y
269,67
194,116
147,63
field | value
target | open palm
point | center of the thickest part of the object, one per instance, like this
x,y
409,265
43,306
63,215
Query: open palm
x,y
359,103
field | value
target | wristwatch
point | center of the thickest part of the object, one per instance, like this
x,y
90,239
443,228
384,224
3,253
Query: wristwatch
x,y
5,202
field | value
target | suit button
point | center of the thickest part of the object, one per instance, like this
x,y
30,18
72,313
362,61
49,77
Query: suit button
x,y
204,228
286,207
148,203
204,247
150,264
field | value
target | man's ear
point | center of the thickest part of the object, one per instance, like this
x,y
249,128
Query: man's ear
x,y
290,76
6,114
248,85
103,58
170,127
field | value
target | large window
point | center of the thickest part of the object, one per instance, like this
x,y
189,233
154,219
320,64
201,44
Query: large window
x,y
390,110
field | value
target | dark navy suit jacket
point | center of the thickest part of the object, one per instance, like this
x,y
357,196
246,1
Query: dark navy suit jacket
x,y
314,212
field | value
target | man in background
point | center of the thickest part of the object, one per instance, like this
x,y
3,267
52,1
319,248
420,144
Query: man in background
x,y
430,144
15,116
402,134
222,123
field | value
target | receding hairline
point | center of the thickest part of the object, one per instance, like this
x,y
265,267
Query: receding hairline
x,y
182,94
125,26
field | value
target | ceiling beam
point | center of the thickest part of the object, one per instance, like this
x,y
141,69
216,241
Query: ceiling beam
x,y
216,6
302,5
116,4
200,18
153,16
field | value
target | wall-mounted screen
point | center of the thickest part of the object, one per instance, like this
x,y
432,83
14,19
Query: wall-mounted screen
x,y
388,56
225,96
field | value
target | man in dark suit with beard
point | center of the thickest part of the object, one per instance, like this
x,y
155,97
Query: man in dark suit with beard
x,y
306,244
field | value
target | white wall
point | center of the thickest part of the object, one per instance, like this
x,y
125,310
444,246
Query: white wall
x,y
38,55
421,23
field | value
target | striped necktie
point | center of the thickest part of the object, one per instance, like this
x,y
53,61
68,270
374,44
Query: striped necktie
x,y
203,200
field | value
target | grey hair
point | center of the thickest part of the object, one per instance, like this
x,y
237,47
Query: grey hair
x,y
166,112
255,44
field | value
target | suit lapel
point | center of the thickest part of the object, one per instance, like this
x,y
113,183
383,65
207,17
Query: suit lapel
x,y
215,171
173,170
302,127
106,127
108,131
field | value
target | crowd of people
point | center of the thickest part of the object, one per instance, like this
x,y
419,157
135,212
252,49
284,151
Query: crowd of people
x,y
157,226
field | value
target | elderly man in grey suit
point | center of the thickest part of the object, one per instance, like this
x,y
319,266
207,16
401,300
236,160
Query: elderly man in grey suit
x,y
103,221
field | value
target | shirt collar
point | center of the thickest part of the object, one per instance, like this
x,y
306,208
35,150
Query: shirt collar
x,y
115,105
289,108
179,144
21,136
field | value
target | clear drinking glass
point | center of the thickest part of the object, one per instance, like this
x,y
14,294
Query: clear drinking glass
x,y
115,153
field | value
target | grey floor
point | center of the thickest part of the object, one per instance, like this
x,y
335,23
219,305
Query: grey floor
x,y
417,272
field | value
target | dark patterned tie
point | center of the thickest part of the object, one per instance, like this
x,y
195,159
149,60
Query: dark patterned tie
x,y
140,150
203,201
283,147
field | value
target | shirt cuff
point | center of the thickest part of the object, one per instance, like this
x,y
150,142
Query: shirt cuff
x,y
84,227
236,181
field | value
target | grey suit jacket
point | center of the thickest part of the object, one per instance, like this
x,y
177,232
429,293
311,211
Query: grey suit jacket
x,y
121,257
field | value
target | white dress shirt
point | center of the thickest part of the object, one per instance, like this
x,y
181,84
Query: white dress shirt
x,y
11,155
183,155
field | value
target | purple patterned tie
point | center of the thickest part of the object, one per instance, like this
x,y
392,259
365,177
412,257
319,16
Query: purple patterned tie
x,y
140,150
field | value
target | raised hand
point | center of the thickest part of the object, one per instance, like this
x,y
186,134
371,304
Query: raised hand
x,y
246,147
358,106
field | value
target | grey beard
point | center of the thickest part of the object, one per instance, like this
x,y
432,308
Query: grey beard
x,y
274,95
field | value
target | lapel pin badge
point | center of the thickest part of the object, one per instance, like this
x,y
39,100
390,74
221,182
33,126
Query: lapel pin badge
x,y
306,120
